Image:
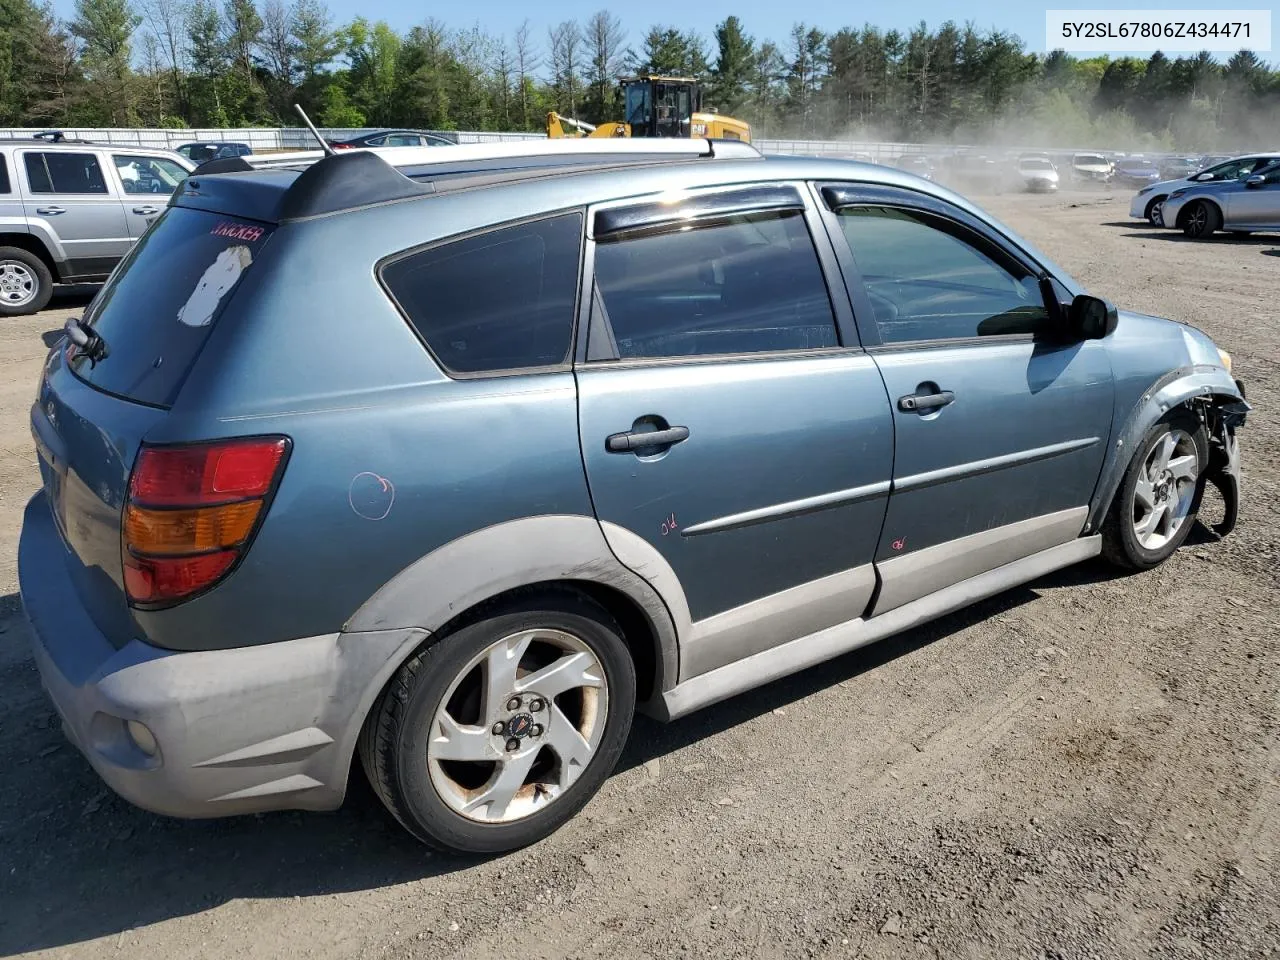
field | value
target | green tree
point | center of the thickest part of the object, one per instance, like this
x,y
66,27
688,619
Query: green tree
x,y
604,38
731,73
105,31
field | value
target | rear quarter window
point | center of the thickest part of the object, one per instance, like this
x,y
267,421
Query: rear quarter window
x,y
498,301
5,186
160,305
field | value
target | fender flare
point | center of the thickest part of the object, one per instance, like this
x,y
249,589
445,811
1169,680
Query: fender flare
x,y
37,228
1175,388
458,575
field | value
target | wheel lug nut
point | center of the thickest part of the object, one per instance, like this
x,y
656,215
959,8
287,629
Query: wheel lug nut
x,y
537,704
536,731
498,728
513,703
513,745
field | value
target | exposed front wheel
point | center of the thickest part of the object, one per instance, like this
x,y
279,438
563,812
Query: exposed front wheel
x,y
497,734
1154,212
1201,220
1160,494
25,282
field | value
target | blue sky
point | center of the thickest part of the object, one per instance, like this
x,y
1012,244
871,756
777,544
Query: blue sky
x,y
768,19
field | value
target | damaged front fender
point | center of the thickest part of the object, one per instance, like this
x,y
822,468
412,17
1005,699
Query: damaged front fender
x,y
1218,399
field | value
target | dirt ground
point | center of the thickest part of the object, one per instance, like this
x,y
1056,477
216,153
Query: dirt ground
x,y
1084,767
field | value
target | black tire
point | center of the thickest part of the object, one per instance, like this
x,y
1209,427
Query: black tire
x,y
39,272
1153,210
1201,220
393,743
1120,543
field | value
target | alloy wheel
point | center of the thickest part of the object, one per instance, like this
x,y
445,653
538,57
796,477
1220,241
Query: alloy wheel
x,y
1166,489
518,726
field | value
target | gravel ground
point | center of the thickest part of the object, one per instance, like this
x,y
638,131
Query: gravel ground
x,y
1083,767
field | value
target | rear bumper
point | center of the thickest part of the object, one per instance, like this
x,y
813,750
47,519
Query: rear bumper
x,y
241,730
1138,205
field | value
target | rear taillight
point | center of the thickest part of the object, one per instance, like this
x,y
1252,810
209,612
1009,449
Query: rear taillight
x,y
192,512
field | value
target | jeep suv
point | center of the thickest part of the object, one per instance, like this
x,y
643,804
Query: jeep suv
x,y
70,210
452,458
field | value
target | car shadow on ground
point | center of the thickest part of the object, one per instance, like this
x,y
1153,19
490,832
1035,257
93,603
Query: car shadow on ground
x,y
1271,253
1244,240
81,864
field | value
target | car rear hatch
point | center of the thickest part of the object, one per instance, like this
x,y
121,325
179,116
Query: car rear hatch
x,y
98,400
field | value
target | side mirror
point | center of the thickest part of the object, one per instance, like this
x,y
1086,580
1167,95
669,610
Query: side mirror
x,y
1255,181
1091,318
1202,177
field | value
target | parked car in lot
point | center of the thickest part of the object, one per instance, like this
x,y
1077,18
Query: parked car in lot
x,y
1091,168
1038,174
69,211
918,164
1148,202
1175,168
1130,172
1238,206
639,424
393,138
213,150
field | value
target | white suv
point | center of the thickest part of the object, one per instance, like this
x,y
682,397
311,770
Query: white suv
x,y
70,210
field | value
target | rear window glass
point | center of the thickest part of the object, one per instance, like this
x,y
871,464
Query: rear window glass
x,y
57,172
503,300
158,309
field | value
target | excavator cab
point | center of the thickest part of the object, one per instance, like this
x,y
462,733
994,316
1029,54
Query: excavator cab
x,y
661,106
656,106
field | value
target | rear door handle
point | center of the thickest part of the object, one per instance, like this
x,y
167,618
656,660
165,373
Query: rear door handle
x,y
146,211
916,402
642,439
50,211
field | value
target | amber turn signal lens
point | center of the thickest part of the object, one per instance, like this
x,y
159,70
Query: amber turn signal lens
x,y
169,532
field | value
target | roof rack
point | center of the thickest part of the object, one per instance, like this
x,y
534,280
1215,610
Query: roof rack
x,y
569,148
332,183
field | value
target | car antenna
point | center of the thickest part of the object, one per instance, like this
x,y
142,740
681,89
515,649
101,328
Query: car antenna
x,y
324,144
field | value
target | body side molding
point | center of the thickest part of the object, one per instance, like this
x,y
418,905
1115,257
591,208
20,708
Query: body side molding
x,y
910,576
807,651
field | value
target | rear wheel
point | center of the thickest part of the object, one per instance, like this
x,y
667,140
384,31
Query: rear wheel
x,y
25,282
496,735
1159,497
1201,220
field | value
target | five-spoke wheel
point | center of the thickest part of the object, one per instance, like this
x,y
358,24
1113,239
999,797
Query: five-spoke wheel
x,y
491,737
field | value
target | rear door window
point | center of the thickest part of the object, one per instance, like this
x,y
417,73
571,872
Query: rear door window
x,y
503,300
58,172
738,285
151,175
159,307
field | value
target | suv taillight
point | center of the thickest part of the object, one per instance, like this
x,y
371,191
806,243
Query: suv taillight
x,y
192,512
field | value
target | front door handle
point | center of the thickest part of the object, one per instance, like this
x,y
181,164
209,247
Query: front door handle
x,y
50,211
916,402
643,439
146,211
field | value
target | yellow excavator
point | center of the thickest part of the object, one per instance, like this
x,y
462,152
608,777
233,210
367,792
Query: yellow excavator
x,y
656,106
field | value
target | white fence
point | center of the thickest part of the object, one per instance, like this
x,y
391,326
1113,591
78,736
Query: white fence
x,y
260,139
266,139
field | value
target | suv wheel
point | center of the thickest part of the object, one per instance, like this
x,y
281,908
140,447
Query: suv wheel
x,y
25,282
1160,494
1201,220
493,737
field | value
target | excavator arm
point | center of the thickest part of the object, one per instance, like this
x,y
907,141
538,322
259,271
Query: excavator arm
x,y
556,128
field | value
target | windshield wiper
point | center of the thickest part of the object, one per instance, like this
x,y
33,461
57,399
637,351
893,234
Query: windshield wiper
x,y
87,339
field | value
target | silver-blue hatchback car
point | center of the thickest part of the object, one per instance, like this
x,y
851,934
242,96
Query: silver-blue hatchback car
x,y
454,458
